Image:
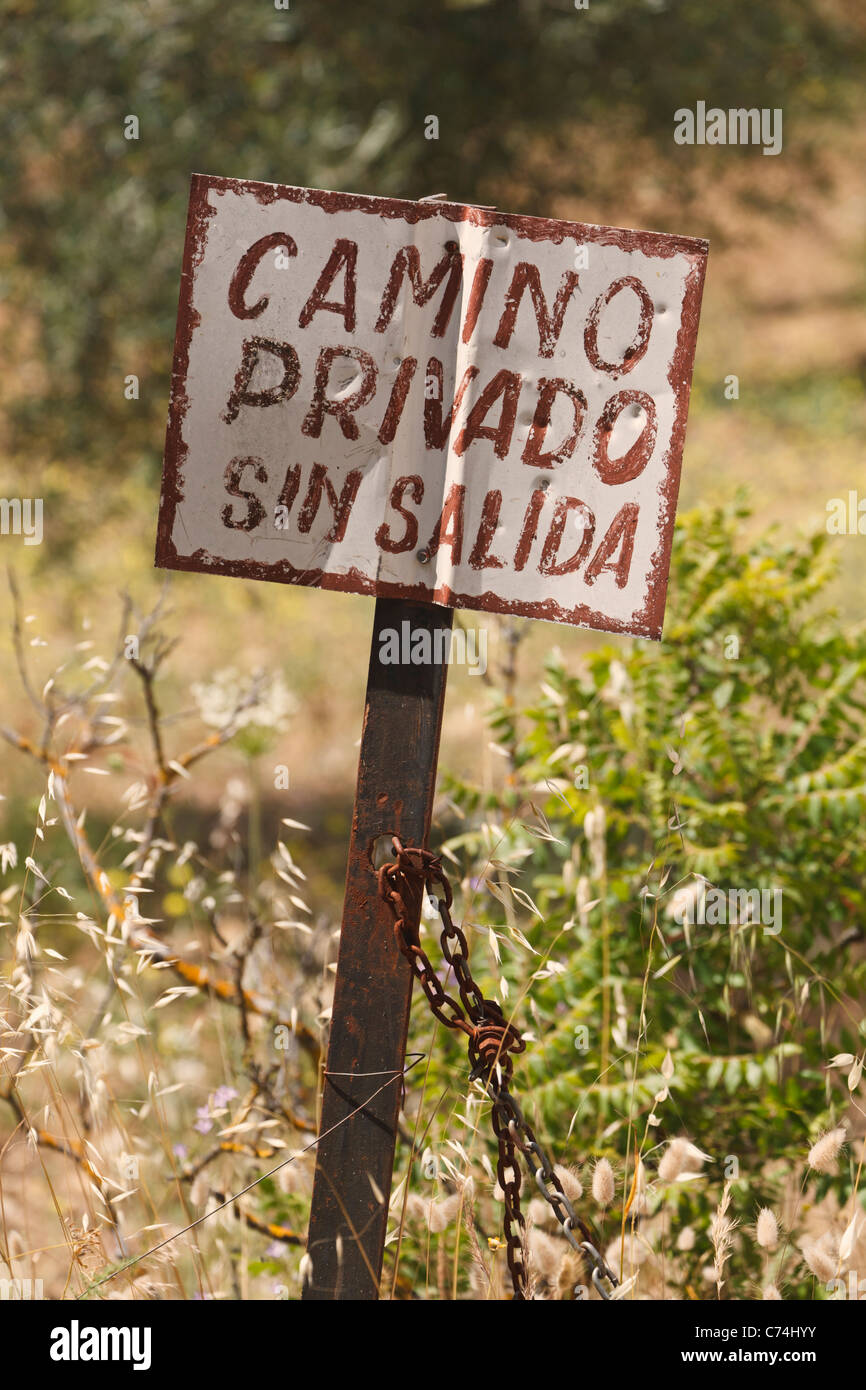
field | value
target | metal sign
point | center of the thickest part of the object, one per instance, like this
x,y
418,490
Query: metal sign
x,y
442,406
429,401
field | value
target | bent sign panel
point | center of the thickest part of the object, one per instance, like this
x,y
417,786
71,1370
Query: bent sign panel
x,y
429,400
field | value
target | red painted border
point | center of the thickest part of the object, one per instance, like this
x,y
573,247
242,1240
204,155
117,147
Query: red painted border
x,y
645,623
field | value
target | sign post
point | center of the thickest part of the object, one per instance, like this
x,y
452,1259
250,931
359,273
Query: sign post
x,y
367,1048
441,406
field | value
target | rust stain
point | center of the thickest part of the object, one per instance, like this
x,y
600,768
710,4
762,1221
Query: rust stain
x,y
533,229
647,622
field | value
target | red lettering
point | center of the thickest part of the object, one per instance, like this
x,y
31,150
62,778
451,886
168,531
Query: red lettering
x,y
272,395
343,257
256,511
526,276
289,490
480,558
246,268
397,400
507,385
529,530
619,534
550,387
437,430
635,459
414,483
548,564
638,347
449,527
341,506
341,406
480,281
408,262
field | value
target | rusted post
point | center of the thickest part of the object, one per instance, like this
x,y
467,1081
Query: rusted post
x,y
396,783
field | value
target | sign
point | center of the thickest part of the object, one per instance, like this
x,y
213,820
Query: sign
x,y
445,407
429,401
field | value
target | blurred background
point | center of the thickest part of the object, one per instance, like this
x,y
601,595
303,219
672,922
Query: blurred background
x,y
542,108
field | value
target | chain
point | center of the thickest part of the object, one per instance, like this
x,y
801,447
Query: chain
x,y
492,1043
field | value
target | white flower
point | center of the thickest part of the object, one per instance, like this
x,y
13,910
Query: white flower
x,y
219,700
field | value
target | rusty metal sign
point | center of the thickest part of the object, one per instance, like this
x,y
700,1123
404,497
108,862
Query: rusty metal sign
x,y
429,401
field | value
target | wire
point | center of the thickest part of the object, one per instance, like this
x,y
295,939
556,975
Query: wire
x,y
392,1077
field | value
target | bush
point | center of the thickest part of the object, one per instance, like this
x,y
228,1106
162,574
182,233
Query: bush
x,y
729,757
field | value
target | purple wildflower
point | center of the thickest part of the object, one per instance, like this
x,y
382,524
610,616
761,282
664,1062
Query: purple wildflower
x,y
204,1123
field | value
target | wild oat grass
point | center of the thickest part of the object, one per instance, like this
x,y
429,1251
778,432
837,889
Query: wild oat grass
x,y
166,978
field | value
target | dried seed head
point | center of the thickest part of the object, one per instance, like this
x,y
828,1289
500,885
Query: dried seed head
x,y
441,1214
848,1239
603,1183
673,1161
686,1238
540,1214
771,1293
721,1234
632,1250
583,895
681,1156
416,1207
821,1263
639,1178
570,1182
546,1253
767,1229
825,1151
570,1274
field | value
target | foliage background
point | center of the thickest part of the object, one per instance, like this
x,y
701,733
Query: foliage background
x,y
542,108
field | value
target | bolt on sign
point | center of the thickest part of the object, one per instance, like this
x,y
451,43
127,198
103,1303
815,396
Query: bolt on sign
x,y
429,401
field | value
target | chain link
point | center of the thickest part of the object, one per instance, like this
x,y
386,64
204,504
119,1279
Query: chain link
x,y
492,1043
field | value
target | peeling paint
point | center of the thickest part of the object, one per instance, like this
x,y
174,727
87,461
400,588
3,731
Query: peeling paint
x,y
392,388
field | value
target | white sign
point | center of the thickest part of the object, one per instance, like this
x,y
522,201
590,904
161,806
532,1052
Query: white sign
x,y
429,400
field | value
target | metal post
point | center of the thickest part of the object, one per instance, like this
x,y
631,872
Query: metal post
x,y
396,784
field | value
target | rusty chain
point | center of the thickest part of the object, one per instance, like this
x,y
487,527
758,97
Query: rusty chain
x,y
492,1043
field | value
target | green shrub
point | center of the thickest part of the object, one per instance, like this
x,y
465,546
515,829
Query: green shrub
x,y
730,756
